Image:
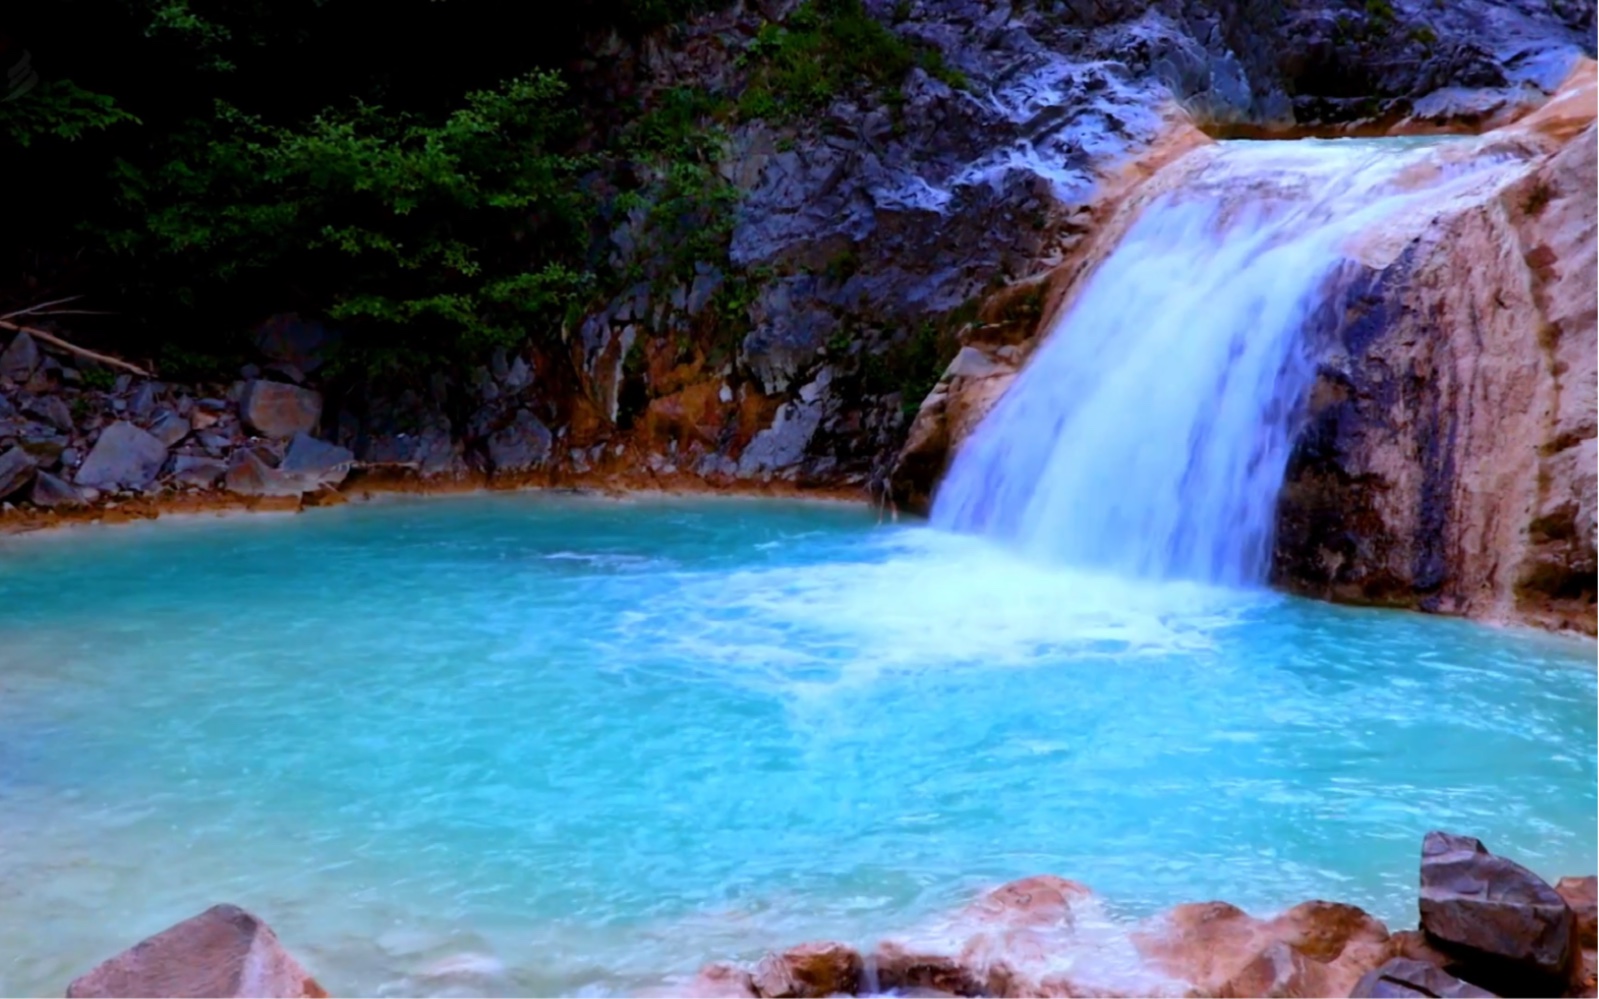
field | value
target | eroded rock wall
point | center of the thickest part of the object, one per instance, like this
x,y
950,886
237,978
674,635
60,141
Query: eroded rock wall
x,y
1448,462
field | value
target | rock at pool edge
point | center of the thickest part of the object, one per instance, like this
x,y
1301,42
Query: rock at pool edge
x,y
222,952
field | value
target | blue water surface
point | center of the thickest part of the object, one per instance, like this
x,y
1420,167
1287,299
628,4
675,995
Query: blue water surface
x,y
535,744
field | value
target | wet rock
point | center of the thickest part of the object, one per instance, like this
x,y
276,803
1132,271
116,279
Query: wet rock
x,y
248,475
168,427
20,359
1041,936
1316,948
197,471
1403,978
223,952
276,409
16,471
1506,926
809,971
123,457
316,462
521,446
1580,894
51,492
1447,463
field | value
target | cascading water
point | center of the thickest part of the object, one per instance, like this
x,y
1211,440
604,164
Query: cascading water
x,y
1149,433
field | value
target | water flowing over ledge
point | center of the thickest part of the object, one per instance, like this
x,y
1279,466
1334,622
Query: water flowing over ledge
x,y
1149,432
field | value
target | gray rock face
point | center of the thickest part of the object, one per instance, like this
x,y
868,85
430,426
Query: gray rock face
x,y
521,446
223,952
51,492
1500,920
783,444
276,409
16,471
1403,978
124,457
20,359
316,462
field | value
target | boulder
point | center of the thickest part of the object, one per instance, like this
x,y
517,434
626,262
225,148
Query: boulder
x,y
1503,924
142,403
317,463
124,457
1040,936
197,470
20,359
809,971
51,492
1403,978
16,470
1315,948
44,450
168,427
248,475
521,446
276,409
1579,893
223,952
52,409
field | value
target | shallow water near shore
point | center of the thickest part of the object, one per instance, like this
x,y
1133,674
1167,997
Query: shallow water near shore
x,y
534,744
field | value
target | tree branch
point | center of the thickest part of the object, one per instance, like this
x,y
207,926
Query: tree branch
x,y
72,348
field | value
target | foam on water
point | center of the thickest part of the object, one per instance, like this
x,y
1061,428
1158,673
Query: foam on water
x,y
1148,434
525,745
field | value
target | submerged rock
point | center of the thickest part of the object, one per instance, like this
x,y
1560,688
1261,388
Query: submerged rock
x,y
124,457
1506,926
223,952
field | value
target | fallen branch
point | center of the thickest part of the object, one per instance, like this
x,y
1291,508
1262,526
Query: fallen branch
x,y
72,348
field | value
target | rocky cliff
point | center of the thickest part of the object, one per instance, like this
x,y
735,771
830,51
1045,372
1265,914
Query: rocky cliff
x,y
1449,459
892,233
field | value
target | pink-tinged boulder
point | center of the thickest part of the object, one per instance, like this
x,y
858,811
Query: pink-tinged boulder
x,y
276,409
222,952
1040,936
1507,928
1580,894
1313,949
809,971
1403,978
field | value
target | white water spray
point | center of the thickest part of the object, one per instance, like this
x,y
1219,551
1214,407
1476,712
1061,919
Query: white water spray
x,y
1149,433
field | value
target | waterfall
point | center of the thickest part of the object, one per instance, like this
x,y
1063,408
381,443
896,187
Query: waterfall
x,y
1149,432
